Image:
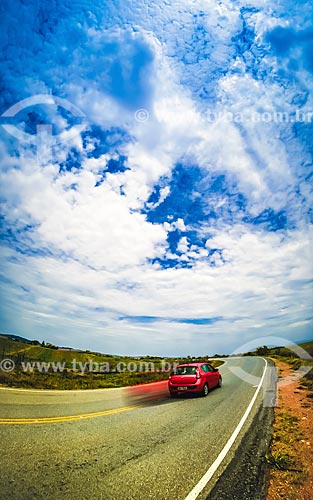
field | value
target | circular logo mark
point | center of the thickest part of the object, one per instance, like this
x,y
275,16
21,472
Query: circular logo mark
x,y
41,129
275,341
142,115
7,365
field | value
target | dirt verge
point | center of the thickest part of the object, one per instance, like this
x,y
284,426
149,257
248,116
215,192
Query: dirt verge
x,y
290,457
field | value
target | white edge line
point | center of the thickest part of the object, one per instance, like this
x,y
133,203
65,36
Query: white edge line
x,y
213,468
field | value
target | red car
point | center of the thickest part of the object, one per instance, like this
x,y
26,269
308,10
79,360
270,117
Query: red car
x,y
196,378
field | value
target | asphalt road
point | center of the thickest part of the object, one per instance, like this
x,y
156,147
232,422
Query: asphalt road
x,y
158,450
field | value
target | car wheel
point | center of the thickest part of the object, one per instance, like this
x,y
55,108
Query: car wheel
x,y
205,390
219,382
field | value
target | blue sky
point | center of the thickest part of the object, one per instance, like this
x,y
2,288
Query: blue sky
x,y
168,209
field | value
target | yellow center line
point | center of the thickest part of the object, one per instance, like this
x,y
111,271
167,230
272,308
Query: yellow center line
x,y
66,418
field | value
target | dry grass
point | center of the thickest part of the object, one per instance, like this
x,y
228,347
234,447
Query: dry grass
x,y
290,457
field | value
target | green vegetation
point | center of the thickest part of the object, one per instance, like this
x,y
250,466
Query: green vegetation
x,y
284,458
285,434
70,380
99,370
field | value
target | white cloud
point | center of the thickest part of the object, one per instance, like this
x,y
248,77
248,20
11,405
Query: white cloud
x,y
85,267
256,284
183,245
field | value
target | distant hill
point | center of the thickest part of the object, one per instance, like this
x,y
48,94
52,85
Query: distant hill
x,y
14,345
285,351
18,338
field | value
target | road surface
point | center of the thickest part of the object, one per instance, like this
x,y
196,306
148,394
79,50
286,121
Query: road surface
x,y
98,445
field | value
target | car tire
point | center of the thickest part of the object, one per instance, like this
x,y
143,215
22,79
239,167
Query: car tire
x,y
219,382
205,390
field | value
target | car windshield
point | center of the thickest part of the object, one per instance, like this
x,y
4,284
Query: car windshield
x,y
185,370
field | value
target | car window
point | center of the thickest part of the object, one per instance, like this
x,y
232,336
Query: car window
x,y
211,368
205,368
185,370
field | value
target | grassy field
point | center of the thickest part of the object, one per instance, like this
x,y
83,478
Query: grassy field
x,y
93,376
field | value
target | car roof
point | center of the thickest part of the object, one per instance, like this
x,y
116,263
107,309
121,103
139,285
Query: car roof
x,y
194,364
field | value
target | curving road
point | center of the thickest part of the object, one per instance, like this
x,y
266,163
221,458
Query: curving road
x,y
103,445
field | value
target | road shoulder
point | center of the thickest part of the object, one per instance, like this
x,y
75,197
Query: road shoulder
x,y
244,478
291,474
